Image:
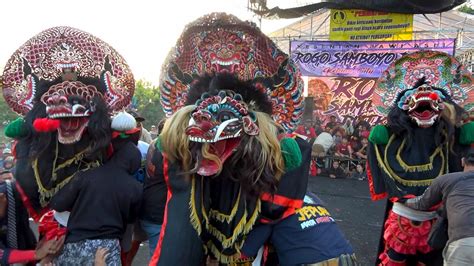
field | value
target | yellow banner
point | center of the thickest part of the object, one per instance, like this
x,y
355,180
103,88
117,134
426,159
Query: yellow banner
x,y
364,25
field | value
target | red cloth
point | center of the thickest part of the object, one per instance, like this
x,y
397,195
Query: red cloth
x,y
49,227
404,237
21,256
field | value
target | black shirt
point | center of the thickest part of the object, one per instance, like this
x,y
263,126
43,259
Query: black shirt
x,y
102,200
154,188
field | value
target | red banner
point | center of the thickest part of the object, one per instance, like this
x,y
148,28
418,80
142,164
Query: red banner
x,y
343,97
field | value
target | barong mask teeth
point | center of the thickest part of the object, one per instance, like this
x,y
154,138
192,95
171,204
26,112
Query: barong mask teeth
x,y
221,117
423,104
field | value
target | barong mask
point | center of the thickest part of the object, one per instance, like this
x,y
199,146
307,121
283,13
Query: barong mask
x,y
70,72
220,121
421,84
221,43
423,104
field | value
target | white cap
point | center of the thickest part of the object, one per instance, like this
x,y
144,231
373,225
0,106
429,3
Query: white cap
x,y
123,121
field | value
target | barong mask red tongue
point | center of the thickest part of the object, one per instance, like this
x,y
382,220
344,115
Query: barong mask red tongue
x,y
220,120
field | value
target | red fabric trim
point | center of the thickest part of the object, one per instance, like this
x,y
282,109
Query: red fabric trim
x,y
21,256
26,202
50,228
45,125
282,200
370,178
128,132
156,255
14,148
265,254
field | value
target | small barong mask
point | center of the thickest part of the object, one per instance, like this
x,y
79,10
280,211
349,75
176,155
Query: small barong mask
x,y
220,121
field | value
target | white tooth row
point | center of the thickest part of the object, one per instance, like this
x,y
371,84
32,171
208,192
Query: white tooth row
x,y
225,63
64,115
196,139
67,65
424,99
226,137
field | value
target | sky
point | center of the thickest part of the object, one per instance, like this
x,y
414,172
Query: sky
x,y
142,31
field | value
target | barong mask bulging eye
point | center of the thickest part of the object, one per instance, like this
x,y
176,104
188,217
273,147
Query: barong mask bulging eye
x,y
423,104
220,121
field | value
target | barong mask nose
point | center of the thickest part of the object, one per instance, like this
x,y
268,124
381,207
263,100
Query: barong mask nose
x,y
220,120
423,104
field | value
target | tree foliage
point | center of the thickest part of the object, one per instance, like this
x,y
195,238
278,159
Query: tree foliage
x,y
147,101
6,115
466,9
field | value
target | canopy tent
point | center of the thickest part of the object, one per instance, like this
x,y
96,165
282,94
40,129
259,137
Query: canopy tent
x,y
450,24
396,6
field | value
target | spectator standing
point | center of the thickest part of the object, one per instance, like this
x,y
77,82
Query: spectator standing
x,y
344,148
145,136
153,132
332,122
154,198
361,152
456,192
348,126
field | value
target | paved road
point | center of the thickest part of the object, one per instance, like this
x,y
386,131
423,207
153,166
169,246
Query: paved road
x,y
349,203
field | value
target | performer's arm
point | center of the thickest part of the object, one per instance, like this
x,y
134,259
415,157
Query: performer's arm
x,y
432,196
256,239
12,256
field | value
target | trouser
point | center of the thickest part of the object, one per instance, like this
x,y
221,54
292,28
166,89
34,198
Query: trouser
x,y
82,253
343,260
153,232
459,252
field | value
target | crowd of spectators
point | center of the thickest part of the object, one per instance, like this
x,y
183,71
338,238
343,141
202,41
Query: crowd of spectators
x,y
339,147
7,161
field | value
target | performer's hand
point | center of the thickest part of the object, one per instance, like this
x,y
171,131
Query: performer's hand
x,y
47,261
101,256
50,247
